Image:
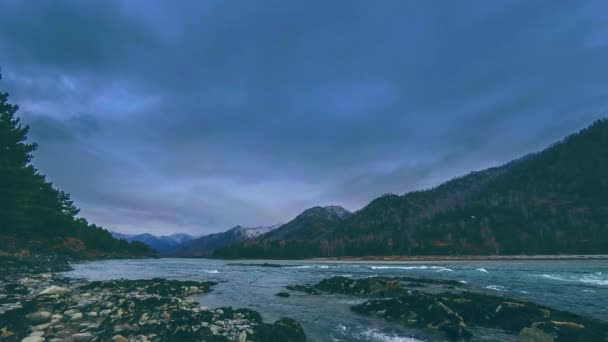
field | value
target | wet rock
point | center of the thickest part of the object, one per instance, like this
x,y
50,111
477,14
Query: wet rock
x,y
119,338
533,334
76,317
285,329
371,287
303,288
33,339
54,290
82,337
453,313
283,294
39,317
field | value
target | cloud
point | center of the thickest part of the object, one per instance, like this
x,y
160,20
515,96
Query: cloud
x,y
200,115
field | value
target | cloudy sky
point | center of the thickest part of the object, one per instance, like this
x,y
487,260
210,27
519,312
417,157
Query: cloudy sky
x,y
196,116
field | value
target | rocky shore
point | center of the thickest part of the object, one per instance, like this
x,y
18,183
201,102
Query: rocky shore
x,y
448,309
43,306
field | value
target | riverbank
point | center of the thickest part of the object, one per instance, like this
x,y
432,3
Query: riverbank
x,y
41,305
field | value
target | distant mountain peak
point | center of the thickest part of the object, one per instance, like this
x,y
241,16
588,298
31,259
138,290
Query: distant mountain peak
x,y
205,245
331,212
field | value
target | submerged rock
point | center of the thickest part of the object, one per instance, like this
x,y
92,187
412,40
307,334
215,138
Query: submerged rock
x,y
283,294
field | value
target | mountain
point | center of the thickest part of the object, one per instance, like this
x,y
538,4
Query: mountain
x,y
206,245
309,224
35,216
161,244
551,202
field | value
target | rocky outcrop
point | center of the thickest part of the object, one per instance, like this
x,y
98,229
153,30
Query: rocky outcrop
x,y
457,314
373,286
46,307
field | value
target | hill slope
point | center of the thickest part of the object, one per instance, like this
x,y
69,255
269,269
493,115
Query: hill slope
x,y
551,202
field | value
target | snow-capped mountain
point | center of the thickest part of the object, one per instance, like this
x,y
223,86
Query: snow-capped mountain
x,y
254,232
205,245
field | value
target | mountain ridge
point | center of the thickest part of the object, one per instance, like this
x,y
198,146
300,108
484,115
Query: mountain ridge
x,y
160,243
552,201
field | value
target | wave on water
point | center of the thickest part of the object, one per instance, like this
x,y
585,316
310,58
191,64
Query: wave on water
x,y
593,279
437,268
375,335
211,271
372,335
495,288
309,266
482,270
352,301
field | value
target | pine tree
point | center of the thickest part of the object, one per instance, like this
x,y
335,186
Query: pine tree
x,y
15,169
34,215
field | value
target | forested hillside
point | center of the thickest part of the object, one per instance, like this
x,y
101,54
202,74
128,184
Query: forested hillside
x,y
37,217
551,202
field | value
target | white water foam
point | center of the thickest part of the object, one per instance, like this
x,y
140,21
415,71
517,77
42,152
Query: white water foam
x,y
593,279
495,288
352,301
482,270
376,335
309,266
211,271
437,268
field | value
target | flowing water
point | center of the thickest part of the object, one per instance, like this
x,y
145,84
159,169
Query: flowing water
x,y
577,286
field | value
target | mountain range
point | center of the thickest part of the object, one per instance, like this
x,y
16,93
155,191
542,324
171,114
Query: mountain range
x,y
551,202
161,244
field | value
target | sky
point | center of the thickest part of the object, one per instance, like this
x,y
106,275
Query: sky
x,y
196,116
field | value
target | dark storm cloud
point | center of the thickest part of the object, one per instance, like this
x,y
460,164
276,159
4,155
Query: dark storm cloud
x,y
196,116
